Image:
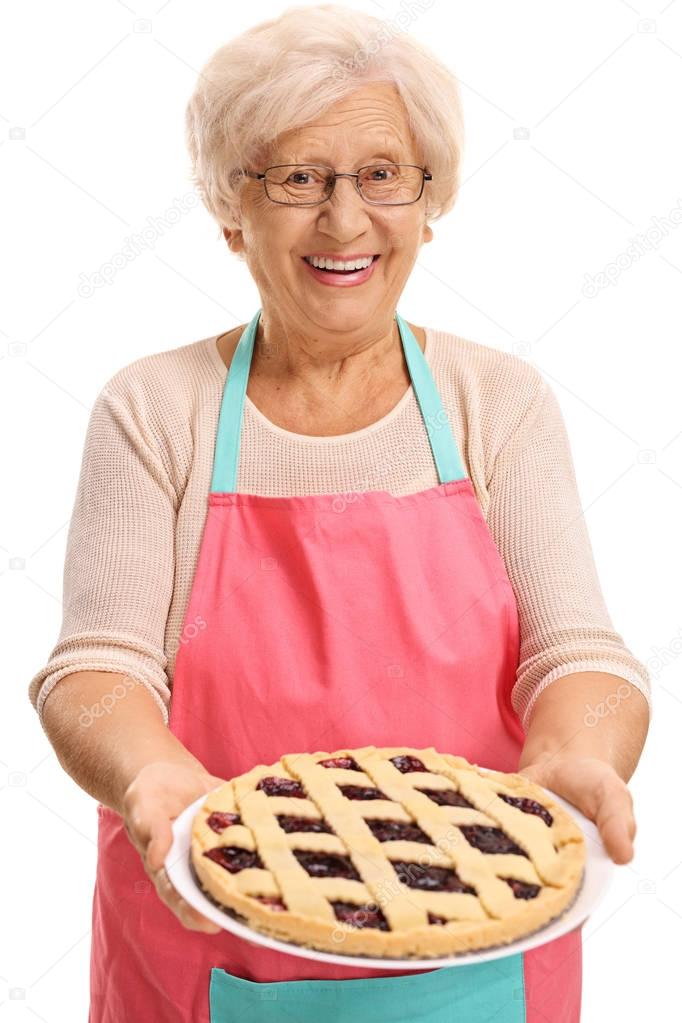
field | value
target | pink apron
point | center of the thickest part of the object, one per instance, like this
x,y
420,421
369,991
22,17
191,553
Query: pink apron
x,y
330,622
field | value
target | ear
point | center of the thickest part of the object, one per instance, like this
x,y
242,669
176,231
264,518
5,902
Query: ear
x,y
427,235
234,238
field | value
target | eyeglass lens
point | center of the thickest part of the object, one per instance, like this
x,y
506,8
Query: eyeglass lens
x,y
382,183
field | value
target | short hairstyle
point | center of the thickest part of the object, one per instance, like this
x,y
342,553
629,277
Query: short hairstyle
x,y
284,73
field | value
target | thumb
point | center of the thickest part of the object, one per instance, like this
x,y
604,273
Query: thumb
x,y
160,841
161,829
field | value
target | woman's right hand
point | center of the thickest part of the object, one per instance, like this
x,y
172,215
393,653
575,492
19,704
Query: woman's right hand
x,y
157,795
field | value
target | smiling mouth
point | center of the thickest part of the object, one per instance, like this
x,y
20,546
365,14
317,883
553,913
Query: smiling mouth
x,y
323,269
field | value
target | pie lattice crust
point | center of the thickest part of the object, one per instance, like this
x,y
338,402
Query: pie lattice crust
x,y
387,852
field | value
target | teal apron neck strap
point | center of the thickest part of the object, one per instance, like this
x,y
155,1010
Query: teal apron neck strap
x,y
441,438
228,438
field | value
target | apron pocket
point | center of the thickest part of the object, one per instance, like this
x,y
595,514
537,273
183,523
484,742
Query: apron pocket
x,y
462,994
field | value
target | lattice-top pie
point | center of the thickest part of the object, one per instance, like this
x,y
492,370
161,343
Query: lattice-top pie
x,y
390,852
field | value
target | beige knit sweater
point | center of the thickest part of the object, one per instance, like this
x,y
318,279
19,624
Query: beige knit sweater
x,y
140,506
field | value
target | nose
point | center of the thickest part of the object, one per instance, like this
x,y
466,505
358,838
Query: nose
x,y
345,208
351,182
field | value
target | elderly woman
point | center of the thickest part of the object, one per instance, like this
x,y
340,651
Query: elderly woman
x,y
322,529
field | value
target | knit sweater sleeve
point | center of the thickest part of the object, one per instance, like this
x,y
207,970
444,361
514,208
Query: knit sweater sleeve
x,y
119,565
537,522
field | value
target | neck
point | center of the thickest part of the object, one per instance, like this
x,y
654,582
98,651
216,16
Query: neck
x,y
282,355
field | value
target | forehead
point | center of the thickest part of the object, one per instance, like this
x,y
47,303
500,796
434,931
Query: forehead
x,y
372,121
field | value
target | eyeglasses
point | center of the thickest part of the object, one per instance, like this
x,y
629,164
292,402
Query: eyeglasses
x,y
382,184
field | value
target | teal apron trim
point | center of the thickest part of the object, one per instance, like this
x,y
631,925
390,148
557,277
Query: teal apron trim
x,y
228,438
491,992
441,438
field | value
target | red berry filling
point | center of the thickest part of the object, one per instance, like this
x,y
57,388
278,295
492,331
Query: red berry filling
x,y
346,762
273,901
406,763
291,824
358,792
360,916
446,797
326,865
396,831
220,819
490,840
433,919
281,787
431,879
233,859
521,889
529,806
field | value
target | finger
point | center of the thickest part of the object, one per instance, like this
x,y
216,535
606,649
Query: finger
x,y
193,920
154,832
189,917
186,914
615,821
142,824
136,832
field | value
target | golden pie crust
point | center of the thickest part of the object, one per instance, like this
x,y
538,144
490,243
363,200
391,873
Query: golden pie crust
x,y
281,899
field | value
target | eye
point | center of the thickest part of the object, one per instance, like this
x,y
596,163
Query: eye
x,y
385,173
297,176
304,177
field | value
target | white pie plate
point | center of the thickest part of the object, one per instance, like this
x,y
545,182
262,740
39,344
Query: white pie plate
x,y
598,876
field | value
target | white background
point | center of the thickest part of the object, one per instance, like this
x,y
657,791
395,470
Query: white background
x,y
573,150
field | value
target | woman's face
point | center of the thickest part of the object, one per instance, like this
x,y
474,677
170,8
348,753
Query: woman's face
x,y
368,127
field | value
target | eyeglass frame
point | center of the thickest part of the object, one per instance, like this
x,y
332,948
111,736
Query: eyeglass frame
x,y
426,176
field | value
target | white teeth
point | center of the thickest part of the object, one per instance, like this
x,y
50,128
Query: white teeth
x,y
336,264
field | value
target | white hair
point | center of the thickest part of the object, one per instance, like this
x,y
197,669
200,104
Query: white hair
x,y
284,73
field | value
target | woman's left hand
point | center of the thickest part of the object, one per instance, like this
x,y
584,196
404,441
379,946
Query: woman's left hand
x,y
595,788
